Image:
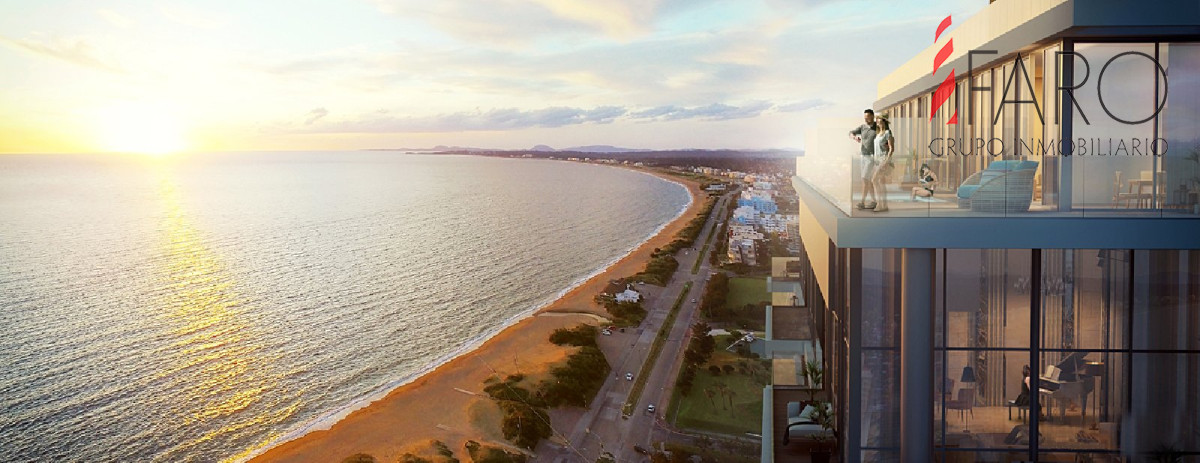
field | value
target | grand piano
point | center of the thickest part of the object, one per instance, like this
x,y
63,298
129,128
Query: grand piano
x,y
1071,380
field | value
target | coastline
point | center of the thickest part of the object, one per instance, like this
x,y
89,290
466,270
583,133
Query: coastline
x,y
401,417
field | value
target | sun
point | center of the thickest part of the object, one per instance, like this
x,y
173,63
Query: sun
x,y
140,128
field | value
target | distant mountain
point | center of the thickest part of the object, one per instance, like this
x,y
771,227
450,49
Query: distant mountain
x,y
602,149
458,148
542,149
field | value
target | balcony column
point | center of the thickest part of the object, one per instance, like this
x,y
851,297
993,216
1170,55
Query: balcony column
x,y
916,355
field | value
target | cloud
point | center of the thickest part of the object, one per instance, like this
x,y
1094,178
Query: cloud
x,y
116,19
515,119
812,103
316,115
712,112
526,21
495,119
72,50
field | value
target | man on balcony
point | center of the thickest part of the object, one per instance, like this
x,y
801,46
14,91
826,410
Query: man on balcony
x,y
865,136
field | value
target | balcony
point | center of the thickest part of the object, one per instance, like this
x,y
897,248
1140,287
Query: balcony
x,y
972,186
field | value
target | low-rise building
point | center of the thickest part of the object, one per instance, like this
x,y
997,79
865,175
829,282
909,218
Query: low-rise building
x,y
628,295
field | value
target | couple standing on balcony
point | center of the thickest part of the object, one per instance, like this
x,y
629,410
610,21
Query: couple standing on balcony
x,y
875,136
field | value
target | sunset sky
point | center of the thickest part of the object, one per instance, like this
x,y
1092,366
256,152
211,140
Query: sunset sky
x,y
86,76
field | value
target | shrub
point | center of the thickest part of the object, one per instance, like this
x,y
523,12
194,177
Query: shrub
x,y
484,454
714,370
626,313
582,335
523,424
578,381
359,458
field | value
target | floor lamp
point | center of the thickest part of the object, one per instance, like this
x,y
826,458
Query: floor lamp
x,y
968,377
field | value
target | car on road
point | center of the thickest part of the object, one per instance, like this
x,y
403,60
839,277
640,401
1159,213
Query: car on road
x,y
693,301
628,376
650,409
639,449
606,332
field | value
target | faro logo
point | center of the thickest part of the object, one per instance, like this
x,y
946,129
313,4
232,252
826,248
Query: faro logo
x,y
1066,83
943,92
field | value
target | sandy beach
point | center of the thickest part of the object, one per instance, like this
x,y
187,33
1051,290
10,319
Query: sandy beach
x,y
448,404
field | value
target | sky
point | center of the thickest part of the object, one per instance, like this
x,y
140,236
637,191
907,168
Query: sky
x,y
217,75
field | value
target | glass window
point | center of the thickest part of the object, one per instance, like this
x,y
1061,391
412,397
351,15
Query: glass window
x,y
1177,125
989,306
1113,171
1082,396
1166,302
1164,413
1085,299
880,357
1051,132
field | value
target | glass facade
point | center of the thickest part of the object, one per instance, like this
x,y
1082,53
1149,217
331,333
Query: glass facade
x,y
1095,351
1122,141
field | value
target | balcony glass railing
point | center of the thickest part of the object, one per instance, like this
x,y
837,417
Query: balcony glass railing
x,y
1003,160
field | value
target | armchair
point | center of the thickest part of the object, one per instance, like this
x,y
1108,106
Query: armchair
x,y
1005,186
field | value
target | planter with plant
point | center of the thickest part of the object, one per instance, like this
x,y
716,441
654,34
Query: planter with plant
x,y
826,441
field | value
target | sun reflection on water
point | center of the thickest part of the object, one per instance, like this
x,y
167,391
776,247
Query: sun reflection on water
x,y
223,370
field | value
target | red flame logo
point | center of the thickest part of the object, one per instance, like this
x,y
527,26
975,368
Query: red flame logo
x,y
947,86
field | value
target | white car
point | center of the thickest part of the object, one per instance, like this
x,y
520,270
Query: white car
x,y
650,409
606,332
628,376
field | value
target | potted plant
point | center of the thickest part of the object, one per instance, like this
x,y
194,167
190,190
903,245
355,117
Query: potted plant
x,y
826,442
815,375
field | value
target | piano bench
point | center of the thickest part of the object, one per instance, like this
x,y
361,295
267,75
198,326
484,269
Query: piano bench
x,y
1022,411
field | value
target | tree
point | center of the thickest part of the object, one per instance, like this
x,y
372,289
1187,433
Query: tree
x,y
728,369
731,394
723,390
714,370
708,391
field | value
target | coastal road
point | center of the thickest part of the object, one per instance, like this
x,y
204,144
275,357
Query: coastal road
x,y
602,428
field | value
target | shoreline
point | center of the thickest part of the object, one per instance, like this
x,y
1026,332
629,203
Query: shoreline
x,y
334,435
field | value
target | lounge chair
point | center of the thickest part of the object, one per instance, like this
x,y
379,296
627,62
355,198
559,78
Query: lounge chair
x,y
1005,186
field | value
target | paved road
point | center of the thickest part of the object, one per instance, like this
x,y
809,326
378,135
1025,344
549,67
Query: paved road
x,y
602,429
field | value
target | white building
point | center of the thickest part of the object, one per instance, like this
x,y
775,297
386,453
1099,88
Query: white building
x,y
628,295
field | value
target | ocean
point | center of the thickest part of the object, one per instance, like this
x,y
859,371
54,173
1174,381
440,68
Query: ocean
x,y
202,307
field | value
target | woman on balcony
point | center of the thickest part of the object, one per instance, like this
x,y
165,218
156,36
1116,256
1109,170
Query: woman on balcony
x,y
883,158
926,181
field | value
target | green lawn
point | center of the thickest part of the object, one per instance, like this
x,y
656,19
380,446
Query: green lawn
x,y
746,290
697,411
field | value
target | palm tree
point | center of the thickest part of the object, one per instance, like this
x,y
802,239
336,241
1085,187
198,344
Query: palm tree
x,y
732,394
708,391
723,390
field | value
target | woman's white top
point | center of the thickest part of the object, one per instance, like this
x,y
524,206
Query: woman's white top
x,y
881,140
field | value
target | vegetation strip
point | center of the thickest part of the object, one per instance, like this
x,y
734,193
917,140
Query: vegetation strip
x,y
655,350
700,256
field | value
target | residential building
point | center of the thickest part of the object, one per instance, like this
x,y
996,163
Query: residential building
x,y
777,223
743,251
744,232
1085,268
762,201
745,215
